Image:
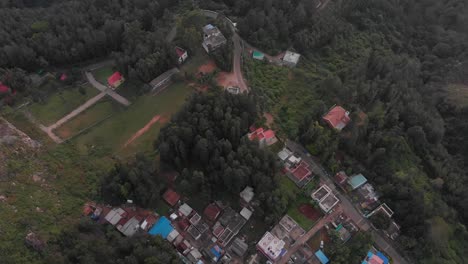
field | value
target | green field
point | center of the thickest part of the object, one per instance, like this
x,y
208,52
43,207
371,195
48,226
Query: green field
x,y
101,110
101,74
111,135
61,103
194,62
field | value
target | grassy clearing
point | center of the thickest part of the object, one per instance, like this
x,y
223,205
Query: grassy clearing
x,y
194,62
61,103
112,134
301,219
101,110
101,74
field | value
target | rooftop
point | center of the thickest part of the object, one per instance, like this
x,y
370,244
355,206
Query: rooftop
x,y
239,247
301,171
246,213
321,256
291,57
163,227
357,181
341,177
271,246
185,209
115,79
247,194
325,197
130,227
284,154
337,117
212,212
180,51
212,37
115,215
171,197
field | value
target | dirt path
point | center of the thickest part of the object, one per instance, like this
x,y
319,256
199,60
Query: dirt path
x,y
143,130
105,89
45,129
237,64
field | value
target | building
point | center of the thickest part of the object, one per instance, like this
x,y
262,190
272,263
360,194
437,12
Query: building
x,y
321,257
171,197
271,246
393,231
246,213
264,137
212,38
284,154
300,174
115,80
162,228
172,235
115,215
130,227
247,194
212,211
163,80
233,90
149,221
239,247
375,257
4,89
356,181
232,222
185,210
194,255
368,197
291,59
258,55
213,253
341,178
325,197
182,55
337,118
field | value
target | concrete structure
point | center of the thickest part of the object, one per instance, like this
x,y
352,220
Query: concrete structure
x,y
246,213
247,194
357,181
271,246
290,58
258,55
337,118
212,38
239,247
325,197
264,137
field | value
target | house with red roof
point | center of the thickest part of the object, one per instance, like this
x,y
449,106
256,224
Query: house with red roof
x,y
264,137
337,118
171,197
182,54
115,80
4,89
212,212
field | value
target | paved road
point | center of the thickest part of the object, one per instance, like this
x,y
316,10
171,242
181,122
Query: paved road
x,y
105,89
77,111
303,239
237,65
346,205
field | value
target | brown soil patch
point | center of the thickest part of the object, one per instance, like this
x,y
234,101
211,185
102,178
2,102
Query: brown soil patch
x,y
208,67
226,79
310,212
164,119
63,132
143,130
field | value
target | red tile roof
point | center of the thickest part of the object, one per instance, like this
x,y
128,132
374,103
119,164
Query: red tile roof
x,y
261,134
183,224
212,212
4,88
180,52
114,78
341,177
337,117
301,171
171,197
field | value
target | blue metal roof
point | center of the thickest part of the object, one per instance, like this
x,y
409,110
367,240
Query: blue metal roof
x,y
163,227
383,257
321,256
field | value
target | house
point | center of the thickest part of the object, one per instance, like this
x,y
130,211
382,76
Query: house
x,y
284,154
325,197
356,181
232,222
163,80
246,213
212,211
290,58
185,210
258,55
4,89
213,253
264,137
369,198
162,228
182,54
172,235
337,118
130,227
115,215
271,246
393,231
149,221
300,174
171,197
375,257
115,80
247,194
321,257
239,247
212,38
341,178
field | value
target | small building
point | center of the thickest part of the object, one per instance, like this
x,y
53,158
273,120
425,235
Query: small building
x,y
212,38
163,80
291,59
246,213
130,227
337,118
182,55
258,55
341,178
271,246
185,210
264,137
212,211
4,89
115,215
325,197
375,257
284,154
239,247
356,181
233,90
195,219
162,228
247,194
171,197
194,255
213,253
149,221
172,235
115,80
321,257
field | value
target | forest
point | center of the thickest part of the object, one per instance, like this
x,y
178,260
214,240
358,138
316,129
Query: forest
x,y
390,63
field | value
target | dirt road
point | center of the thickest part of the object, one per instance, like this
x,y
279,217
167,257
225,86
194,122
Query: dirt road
x,y
45,129
237,64
101,87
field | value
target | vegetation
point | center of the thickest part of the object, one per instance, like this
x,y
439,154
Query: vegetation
x,y
351,252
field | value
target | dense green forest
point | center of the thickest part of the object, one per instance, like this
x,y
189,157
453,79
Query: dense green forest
x,y
394,61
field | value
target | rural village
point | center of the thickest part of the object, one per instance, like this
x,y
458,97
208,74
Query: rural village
x,y
106,117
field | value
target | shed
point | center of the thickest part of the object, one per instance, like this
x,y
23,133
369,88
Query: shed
x,y
321,257
357,181
163,227
239,247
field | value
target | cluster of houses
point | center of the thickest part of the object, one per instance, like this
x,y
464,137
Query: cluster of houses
x,y
295,168
208,237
